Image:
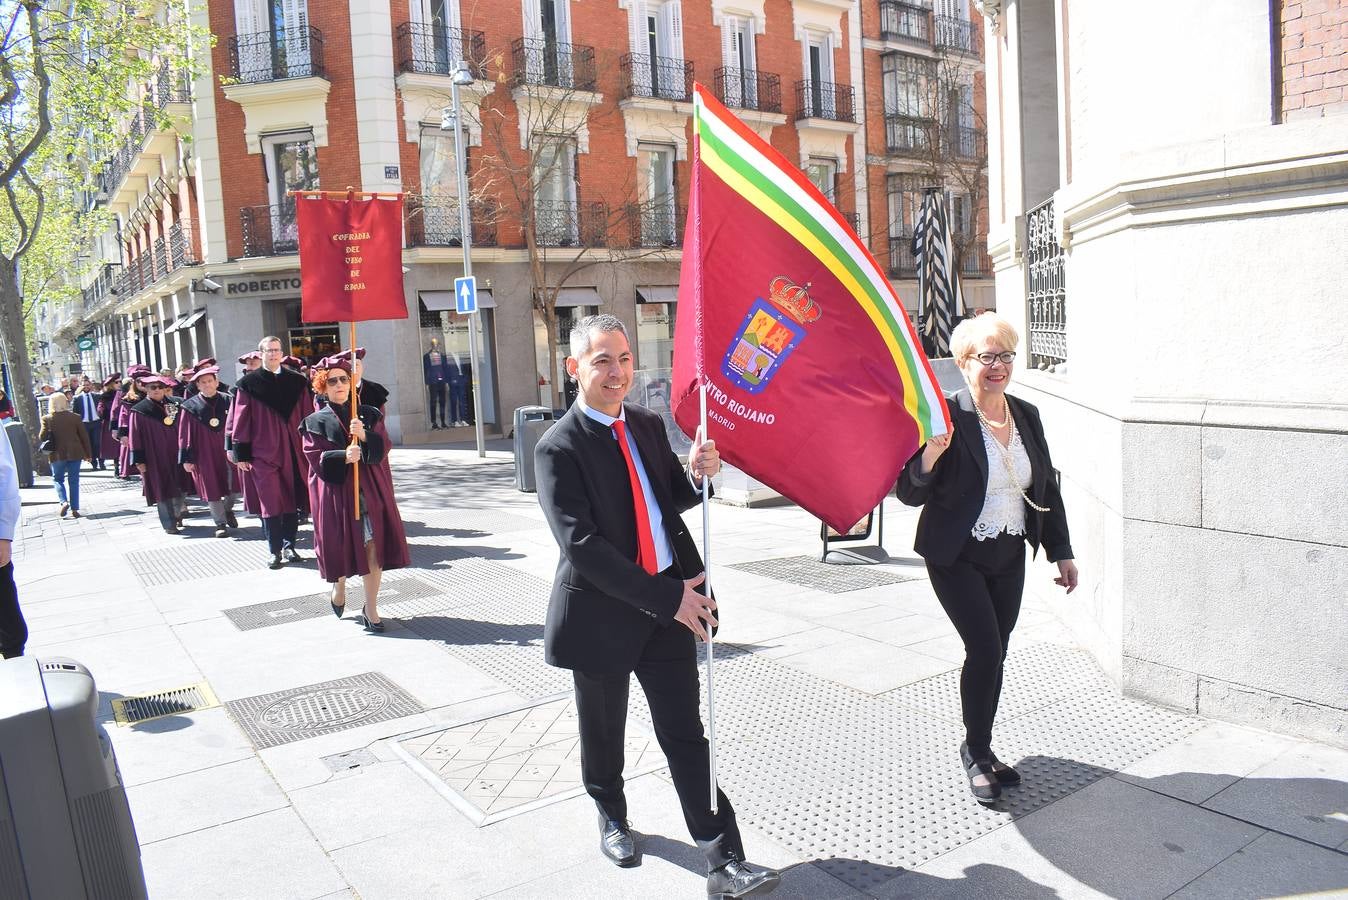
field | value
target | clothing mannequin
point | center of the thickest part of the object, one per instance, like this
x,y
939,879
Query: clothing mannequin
x,y
436,375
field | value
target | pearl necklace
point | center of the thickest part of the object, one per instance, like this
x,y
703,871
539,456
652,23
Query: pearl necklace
x,y
1005,452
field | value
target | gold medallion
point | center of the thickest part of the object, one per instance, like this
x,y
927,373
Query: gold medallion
x,y
215,423
168,420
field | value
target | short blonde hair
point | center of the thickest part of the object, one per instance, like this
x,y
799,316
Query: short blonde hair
x,y
970,332
58,403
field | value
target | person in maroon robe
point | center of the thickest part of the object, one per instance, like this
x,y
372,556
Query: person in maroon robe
x,y
334,443
109,447
269,405
153,440
201,447
131,394
250,361
368,393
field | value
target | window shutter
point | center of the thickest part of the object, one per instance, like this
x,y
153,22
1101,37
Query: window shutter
x,y
674,16
417,11
562,10
533,20
636,26
729,24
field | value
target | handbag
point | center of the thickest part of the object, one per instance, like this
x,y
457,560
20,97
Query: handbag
x,y
48,446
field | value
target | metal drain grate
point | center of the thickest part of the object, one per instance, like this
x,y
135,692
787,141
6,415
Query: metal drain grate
x,y
810,572
393,590
161,566
317,709
143,708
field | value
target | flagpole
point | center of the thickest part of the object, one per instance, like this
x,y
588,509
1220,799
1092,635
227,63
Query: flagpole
x,y
355,467
706,586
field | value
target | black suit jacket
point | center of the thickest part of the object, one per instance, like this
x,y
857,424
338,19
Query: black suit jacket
x,y
952,493
604,607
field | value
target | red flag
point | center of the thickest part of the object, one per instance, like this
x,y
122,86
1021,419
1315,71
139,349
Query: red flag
x,y
816,383
351,262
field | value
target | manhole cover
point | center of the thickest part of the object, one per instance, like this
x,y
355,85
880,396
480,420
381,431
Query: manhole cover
x,y
143,708
317,709
810,572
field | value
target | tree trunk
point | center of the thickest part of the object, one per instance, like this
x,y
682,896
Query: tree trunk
x,y
20,371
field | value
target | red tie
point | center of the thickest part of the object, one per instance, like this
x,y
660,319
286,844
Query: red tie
x,y
645,537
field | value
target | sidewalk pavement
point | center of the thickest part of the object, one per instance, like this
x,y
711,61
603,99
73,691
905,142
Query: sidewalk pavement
x,y
440,759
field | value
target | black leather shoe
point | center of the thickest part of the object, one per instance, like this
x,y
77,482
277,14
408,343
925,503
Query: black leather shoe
x,y
275,562
740,879
983,783
1006,776
371,627
292,555
617,843
230,520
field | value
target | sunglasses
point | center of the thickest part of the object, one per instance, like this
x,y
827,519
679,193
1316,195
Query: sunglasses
x,y
338,379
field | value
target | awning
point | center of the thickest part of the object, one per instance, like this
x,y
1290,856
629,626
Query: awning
x,y
578,296
177,323
658,293
192,319
443,301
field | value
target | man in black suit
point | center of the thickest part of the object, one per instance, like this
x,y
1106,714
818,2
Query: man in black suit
x,y
626,597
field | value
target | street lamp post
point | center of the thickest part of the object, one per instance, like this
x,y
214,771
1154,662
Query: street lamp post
x,y
461,78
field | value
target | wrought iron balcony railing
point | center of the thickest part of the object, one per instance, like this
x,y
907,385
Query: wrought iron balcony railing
x,y
104,286
563,223
436,50
965,142
908,135
269,230
957,35
182,250
902,264
1046,288
824,100
659,77
656,224
748,89
904,22
277,55
974,261
170,85
538,61
433,221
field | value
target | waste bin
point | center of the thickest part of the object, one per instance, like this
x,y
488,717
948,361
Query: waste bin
x,y
23,454
530,423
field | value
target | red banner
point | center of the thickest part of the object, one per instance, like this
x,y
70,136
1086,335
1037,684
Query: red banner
x,y
351,261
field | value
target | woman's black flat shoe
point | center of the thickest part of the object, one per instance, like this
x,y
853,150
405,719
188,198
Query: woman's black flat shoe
x,y
1006,776
372,627
983,782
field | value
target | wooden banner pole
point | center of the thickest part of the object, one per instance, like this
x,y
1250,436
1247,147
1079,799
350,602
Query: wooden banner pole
x,y
355,468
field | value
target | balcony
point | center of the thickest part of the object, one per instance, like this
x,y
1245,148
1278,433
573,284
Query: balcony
x,y
436,50
964,142
957,35
538,61
748,89
907,135
182,251
564,223
657,225
656,77
853,219
433,221
902,264
170,85
276,55
119,164
269,230
104,286
975,262
824,100
904,22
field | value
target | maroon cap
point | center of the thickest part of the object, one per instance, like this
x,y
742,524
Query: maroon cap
x,y
158,380
138,371
338,361
346,354
203,363
251,354
293,361
205,370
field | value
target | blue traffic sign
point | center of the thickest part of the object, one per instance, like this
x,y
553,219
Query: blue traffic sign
x,y
465,294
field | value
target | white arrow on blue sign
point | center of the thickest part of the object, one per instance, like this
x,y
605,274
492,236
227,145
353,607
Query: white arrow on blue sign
x,y
465,294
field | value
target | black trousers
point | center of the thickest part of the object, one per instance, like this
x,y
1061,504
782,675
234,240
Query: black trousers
x,y
280,531
95,431
439,393
13,629
980,592
667,672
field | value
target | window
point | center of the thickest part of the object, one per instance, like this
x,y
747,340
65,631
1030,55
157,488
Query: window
x,y
655,171
740,85
906,81
567,316
656,42
824,174
904,193
439,173
655,347
820,98
292,165
555,211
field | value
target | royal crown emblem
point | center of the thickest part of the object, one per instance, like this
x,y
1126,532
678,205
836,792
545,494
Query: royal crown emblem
x,y
771,331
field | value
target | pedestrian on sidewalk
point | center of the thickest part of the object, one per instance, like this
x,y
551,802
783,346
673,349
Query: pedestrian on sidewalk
x,y
626,598
69,446
368,393
333,443
269,404
13,629
86,406
153,440
131,394
201,447
982,501
251,361
6,407
107,441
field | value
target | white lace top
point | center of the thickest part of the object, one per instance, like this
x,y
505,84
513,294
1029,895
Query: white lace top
x,y
1003,506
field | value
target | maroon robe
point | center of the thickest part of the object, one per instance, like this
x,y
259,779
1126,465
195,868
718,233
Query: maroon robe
x,y
243,479
154,441
201,442
122,417
108,447
268,409
339,537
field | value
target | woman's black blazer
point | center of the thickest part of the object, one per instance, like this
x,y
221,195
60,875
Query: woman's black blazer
x,y
952,493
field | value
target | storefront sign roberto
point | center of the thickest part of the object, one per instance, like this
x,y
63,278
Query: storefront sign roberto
x,y
261,286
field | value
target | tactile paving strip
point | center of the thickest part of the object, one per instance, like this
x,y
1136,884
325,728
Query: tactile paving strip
x,y
394,589
165,566
270,720
474,522
514,762
810,572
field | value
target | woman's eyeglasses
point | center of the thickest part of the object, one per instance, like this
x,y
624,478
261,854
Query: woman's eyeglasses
x,y
1006,356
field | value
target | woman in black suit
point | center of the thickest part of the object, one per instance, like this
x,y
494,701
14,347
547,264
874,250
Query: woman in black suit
x,y
986,489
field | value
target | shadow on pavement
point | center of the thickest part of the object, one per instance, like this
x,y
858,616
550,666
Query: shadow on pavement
x,y
983,880
467,632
